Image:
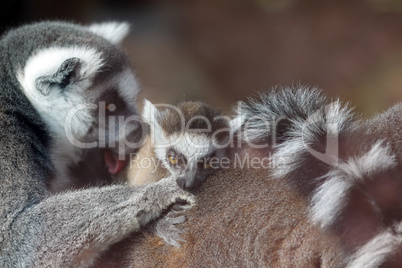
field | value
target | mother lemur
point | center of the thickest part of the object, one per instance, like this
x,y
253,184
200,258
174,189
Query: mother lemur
x,y
67,114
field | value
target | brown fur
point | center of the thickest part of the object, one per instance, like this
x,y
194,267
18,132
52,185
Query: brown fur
x,y
140,175
243,218
171,121
137,174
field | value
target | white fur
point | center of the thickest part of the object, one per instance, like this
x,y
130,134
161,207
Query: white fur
x,y
290,151
255,126
114,32
378,159
192,145
149,115
327,201
333,120
55,107
337,114
69,114
263,113
128,86
376,251
305,133
157,136
148,112
236,123
330,198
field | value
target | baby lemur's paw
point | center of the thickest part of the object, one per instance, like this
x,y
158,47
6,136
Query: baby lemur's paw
x,y
166,228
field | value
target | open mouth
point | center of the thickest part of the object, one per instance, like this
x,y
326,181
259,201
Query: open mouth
x,y
113,164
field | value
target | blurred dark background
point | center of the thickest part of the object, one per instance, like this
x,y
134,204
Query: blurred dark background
x,y
224,50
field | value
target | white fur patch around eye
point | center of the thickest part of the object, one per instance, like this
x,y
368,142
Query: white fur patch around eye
x,y
375,252
114,32
329,199
192,146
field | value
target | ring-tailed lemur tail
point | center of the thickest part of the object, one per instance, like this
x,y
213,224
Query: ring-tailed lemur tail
x,y
348,169
186,141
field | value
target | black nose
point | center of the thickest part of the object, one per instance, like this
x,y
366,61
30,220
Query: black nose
x,y
192,182
182,183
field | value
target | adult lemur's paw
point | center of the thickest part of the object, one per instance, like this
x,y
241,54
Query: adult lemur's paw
x,y
176,195
181,205
166,228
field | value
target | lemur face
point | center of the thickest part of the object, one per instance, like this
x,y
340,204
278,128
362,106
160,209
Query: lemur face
x,y
189,140
85,91
192,163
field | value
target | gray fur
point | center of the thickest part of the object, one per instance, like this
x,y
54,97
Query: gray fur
x,y
169,222
345,195
71,228
61,77
295,122
287,105
315,215
193,133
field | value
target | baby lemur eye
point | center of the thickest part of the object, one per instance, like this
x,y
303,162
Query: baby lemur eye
x,y
176,160
173,160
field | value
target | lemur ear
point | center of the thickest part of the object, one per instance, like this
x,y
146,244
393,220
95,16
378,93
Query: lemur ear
x,y
149,112
150,115
67,74
114,32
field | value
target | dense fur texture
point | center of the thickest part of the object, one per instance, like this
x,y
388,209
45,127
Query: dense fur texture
x,y
62,88
70,75
335,201
186,140
242,218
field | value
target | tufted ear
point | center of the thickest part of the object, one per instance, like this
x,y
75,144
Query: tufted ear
x,y
149,113
67,74
59,68
114,32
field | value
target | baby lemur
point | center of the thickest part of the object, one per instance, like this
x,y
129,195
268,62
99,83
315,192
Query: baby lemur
x,y
186,141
